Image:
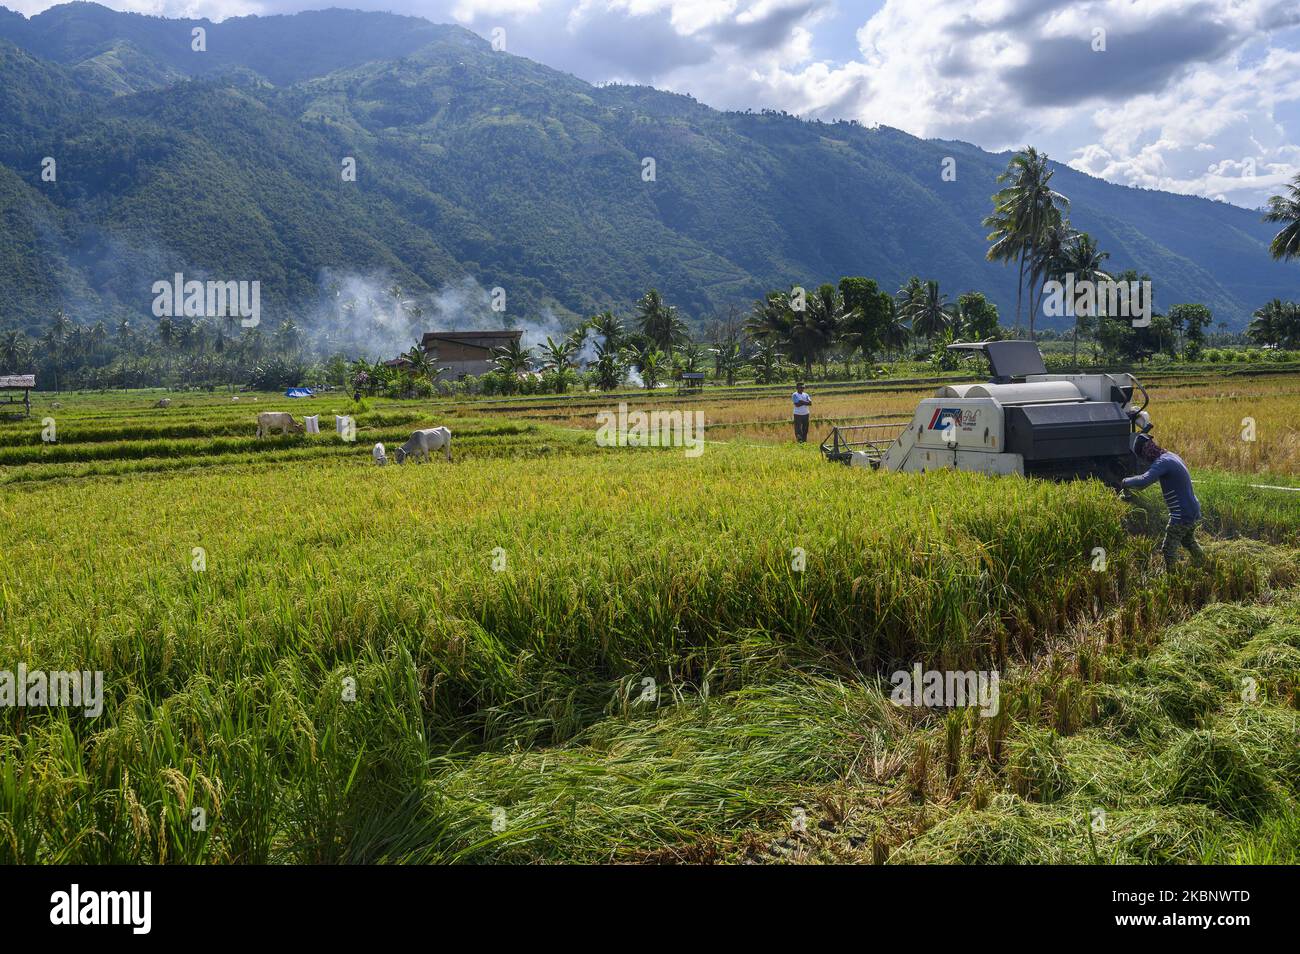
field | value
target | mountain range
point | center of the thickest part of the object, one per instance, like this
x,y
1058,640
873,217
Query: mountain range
x,y
477,169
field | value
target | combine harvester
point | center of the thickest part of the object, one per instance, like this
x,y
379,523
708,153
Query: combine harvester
x,y
1024,421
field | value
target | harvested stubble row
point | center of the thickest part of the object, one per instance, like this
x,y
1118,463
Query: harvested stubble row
x,y
1149,752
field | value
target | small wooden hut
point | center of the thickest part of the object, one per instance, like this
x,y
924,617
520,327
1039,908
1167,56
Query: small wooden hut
x,y
11,384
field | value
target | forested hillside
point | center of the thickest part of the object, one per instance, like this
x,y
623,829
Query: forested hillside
x,y
476,166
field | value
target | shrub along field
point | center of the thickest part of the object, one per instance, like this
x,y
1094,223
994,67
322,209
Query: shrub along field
x,y
548,650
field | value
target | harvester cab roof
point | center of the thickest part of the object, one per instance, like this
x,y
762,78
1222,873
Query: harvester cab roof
x,y
1022,421
1008,360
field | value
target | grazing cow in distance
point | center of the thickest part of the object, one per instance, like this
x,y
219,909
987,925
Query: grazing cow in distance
x,y
380,456
268,421
421,442
164,402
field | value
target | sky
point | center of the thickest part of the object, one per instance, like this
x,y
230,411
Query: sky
x,y
1192,96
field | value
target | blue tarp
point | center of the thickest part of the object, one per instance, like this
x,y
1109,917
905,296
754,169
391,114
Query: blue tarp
x,y
298,392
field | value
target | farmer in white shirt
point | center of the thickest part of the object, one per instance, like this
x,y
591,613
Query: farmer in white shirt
x,y
802,408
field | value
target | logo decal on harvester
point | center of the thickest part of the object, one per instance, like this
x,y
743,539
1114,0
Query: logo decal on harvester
x,y
942,415
963,419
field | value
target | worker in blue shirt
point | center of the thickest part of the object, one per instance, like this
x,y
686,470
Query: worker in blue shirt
x,y
1176,485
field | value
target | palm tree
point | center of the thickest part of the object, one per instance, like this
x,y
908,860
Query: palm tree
x,y
1286,244
610,327
660,322
1007,244
512,358
1048,262
1268,324
803,335
1083,258
14,351
650,362
98,338
1023,212
557,356
908,298
54,344
60,325
578,340
287,336
690,357
893,331
929,312
255,342
78,347
728,359
609,366
767,362
199,335
770,317
422,364
1291,326
827,315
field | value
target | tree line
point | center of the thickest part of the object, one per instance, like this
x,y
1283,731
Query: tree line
x,y
1030,228
852,324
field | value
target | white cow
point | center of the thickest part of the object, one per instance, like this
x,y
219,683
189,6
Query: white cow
x,y
268,421
421,442
164,402
380,456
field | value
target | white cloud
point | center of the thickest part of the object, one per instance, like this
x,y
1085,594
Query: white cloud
x,y
1177,80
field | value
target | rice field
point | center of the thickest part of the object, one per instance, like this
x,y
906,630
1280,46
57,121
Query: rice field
x,y
1205,418
553,651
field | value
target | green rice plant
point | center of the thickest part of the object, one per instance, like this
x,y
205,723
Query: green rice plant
x,y
631,786
1037,767
1215,769
1274,840
1268,734
371,662
1009,831
1273,665
1162,834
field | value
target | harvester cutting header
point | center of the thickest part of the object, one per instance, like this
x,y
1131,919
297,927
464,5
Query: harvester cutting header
x,y
1023,421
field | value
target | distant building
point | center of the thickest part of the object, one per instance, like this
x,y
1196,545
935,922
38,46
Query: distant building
x,y
17,382
463,353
